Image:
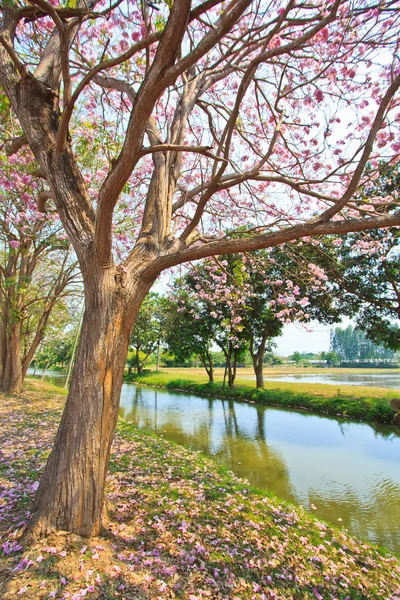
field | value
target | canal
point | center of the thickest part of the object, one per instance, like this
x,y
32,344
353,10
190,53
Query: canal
x,y
346,473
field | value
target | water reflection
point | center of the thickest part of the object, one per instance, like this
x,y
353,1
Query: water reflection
x,y
349,471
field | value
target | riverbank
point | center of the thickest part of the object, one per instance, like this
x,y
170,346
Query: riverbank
x,y
361,403
179,527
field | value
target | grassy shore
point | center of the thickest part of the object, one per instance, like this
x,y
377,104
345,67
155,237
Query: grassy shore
x,y
353,402
178,527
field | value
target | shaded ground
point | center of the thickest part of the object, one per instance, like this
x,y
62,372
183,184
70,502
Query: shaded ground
x,y
178,528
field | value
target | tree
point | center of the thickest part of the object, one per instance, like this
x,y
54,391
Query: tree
x,y
190,329
331,358
370,276
362,269
211,116
149,329
296,357
352,345
362,275
60,336
243,300
37,266
213,296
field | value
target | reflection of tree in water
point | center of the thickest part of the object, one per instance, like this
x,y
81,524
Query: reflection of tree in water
x,y
252,458
371,520
382,430
248,458
386,431
136,400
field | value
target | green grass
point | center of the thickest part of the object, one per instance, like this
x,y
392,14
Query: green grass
x,y
47,390
360,403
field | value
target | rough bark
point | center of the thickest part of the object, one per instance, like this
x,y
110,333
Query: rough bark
x,y
71,491
11,378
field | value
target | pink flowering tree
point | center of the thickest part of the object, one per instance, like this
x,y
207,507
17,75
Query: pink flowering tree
x,y
208,116
36,263
243,301
220,291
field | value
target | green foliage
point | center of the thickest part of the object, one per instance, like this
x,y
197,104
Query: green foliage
x,y
160,23
149,329
331,358
352,345
296,357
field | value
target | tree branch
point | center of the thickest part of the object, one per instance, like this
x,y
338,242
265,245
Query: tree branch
x,y
16,144
149,92
232,246
205,150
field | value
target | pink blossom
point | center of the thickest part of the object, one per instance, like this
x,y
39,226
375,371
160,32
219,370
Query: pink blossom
x,y
318,95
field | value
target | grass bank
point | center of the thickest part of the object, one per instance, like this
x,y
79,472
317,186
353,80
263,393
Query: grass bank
x,y
358,403
179,527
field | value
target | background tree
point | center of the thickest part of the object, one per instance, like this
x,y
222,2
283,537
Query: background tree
x,y
362,269
60,335
361,273
331,358
243,300
149,330
223,115
370,275
296,357
190,329
351,345
37,266
213,298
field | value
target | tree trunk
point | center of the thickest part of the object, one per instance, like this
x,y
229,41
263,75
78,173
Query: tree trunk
x,y
39,335
139,365
257,356
3,351
258,368
230,366
210,372
231,375
71,491
231,362
158,357
206,359
11,379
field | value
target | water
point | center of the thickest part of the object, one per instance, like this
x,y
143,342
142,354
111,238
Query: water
x,y
349,471
380,380
54,377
